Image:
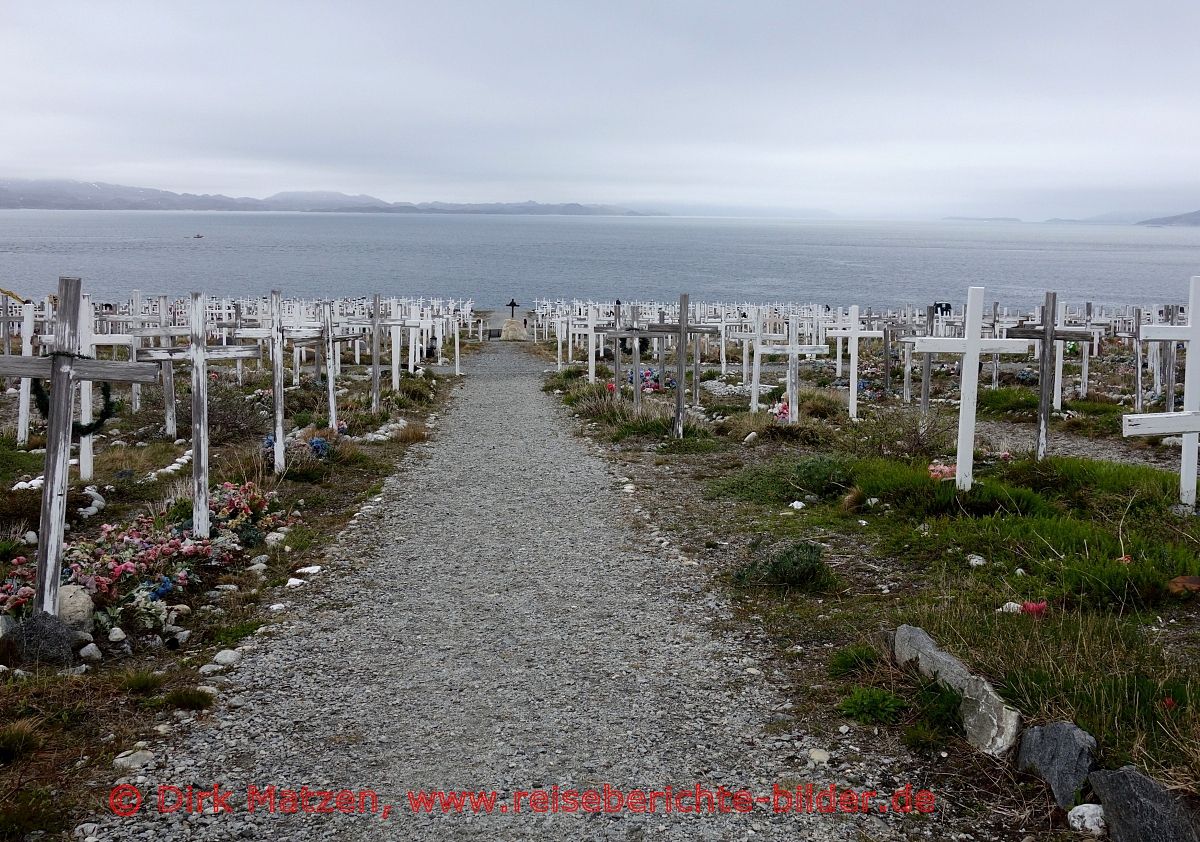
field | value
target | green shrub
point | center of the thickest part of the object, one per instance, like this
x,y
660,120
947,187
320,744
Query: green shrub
x,y
1009,399
873,706
19,738
785,481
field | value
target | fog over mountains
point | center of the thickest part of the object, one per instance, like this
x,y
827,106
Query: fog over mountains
x,y
92,195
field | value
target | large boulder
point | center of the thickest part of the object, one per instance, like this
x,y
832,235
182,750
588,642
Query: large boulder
x,y
1138,808
513,330
42,638
75,607
990,724
1062,755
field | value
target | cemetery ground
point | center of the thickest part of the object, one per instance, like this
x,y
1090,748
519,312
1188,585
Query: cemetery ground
x,y
60,729
1069,583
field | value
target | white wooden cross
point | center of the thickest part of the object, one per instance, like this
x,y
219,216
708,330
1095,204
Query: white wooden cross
x,y
970,345
853,332
794,350
64,368
1186,423
635,333
199,353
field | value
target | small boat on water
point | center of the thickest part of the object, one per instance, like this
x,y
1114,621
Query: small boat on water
x,y
197,236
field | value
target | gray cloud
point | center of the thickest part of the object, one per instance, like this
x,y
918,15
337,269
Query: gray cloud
x,y
877,108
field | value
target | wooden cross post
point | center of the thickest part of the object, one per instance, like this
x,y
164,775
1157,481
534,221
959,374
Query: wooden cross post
x,y
26,351
681,330
1186,423
853,332
198,354
63,368
634,333
970,345
794,350
1047,334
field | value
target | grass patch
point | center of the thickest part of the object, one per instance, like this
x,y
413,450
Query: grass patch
x,y
188,698
799,566
852,660
142,682
18,738
229,636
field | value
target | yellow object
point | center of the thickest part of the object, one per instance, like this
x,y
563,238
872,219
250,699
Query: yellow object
x,y
12,294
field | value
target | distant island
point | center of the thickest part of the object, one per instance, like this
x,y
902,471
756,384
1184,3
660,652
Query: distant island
x,y
980,219
1192,219
82,195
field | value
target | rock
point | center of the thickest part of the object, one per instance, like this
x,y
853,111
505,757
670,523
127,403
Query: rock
x,y
990,724
69,671
211,669
8,624
818,756
91,653
1139,808
797,504
295,583
257,568
209,689
86,829
1062,755
264,560
976,560
311,570
229,588
30,538
1184,584
273,539
115,634
1087,818
513,331
132,760
750,438
1010,608
227,657
43,638
183,636
75,607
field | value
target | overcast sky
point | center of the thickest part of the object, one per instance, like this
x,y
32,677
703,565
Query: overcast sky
x,y
894,109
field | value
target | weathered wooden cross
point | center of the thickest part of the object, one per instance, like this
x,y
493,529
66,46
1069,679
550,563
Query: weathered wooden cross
x,y
1186,423
791,346
971,344
1047,334
64,367
682,330
633,332
853,332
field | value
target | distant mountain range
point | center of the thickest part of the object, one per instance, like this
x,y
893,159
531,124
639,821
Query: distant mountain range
x,y
81,195
1192,218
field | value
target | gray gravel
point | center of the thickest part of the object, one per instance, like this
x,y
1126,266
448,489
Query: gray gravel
x,y
495,621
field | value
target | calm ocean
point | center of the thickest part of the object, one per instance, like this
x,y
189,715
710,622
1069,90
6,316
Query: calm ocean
x,y
493,258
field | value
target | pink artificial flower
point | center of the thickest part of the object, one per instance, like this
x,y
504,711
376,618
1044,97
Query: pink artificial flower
x,y
1034,609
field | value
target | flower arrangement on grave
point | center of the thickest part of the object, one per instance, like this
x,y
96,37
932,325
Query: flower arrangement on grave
x,y
16,588
780,410
939,471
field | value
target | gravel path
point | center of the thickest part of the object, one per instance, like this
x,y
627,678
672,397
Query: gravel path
x,y
494,622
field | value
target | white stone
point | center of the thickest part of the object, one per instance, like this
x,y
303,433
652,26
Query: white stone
x,y
797,504
92,653
211,669
1088,818
278,606
131,760
311,570
296,583
227,657
750,438
1010,608
818,755
30,537
75,607
976,560
115,634
209,689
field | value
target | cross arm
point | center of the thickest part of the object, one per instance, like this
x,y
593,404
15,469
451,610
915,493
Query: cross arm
x,y
956,345
1160,423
